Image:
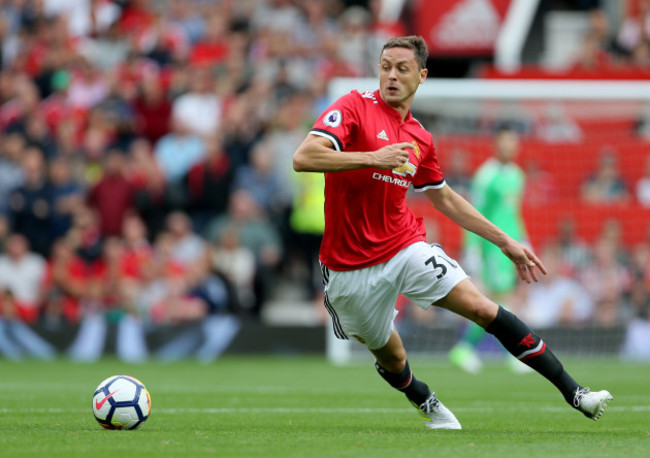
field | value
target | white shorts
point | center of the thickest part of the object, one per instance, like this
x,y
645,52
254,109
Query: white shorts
x,y
362,302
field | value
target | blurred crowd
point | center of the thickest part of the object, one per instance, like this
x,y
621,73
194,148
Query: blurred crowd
x,y
607,46
146,150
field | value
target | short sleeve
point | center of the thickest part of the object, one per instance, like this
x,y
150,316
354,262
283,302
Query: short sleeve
x,y
429,175
339,122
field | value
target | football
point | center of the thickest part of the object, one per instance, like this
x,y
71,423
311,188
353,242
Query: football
x,y
121,402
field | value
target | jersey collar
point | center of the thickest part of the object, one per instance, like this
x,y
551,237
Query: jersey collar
x,y
390,110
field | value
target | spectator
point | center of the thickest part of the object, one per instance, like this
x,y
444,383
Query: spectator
x,y
457,172
355,34
94,144
187,295
67,195
640,272
11,172
261,182
186,15
555,126
237,263
107,295
136,16
640,58
83,17
85,234
138,252
591,56
606,280
643,186
611,232
574,251
4,232
153,109
187,246
31,204
200,108
212,47
163,41
219,327
557,300
209,183
117,113
107,49
37,134
540,188
243,123
382,28
605,185
16,338
636,345
177,152
21,275
255,233
642,127
113,196
68,146
88,86
635,27
64,285
148,183
284,137
177,307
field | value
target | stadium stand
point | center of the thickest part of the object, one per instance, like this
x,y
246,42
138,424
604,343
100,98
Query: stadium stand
x,y
147,106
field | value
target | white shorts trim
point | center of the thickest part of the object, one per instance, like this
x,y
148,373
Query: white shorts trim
x,y
362,302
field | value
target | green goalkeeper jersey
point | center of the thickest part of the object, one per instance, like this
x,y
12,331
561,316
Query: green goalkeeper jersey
x,y
497,191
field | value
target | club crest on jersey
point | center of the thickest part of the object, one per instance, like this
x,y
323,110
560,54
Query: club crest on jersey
x,y
409,168
333,118
416,149
406,169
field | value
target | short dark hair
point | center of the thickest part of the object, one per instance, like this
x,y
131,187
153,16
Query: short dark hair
x,y
414,42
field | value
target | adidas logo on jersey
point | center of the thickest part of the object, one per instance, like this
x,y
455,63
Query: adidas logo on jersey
x,y
382,135
369,95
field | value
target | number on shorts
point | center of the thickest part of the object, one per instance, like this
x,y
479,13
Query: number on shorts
x,y
435,264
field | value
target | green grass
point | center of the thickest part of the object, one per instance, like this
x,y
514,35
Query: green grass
x,y
289,406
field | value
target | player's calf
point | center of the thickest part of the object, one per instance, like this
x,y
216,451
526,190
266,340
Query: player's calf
x,y
530,349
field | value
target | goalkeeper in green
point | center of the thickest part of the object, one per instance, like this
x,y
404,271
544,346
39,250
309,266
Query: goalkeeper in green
x,y
496,191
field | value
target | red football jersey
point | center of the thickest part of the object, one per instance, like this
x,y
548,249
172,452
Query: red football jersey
x,y
367,220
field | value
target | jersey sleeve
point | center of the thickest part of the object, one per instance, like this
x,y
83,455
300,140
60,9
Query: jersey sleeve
x,y
339,123
429,175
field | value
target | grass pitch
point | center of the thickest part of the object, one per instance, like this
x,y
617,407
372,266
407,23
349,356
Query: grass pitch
x,y
291,406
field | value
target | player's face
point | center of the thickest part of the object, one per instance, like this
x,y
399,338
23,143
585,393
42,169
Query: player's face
x,y
399,76
507,146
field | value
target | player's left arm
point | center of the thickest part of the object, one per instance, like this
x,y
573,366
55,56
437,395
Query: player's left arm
x,y
459,210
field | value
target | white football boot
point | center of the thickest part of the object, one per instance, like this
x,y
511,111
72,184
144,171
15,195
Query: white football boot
x,y
436,415
591,403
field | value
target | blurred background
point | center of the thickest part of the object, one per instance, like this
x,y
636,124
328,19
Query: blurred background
x,y
148,205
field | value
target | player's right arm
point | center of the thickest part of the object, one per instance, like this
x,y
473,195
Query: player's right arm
x,y
318,154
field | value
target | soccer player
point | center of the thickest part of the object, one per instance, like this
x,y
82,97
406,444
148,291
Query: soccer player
x,y
372,150
496,191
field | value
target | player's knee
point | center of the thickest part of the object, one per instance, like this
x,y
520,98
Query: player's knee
x,y
484,312
394,362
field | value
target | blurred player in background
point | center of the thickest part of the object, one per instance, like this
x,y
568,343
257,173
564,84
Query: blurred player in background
x,y
497,192
371,150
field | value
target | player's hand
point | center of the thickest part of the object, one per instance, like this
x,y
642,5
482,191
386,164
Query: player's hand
x,y
525,260
392,156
